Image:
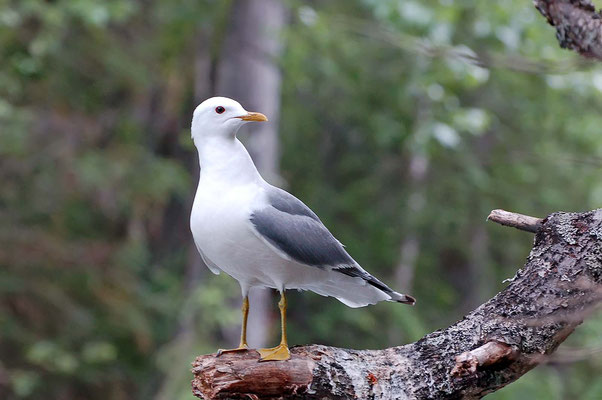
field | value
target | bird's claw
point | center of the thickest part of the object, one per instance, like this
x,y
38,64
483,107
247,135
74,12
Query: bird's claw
x,y
278,353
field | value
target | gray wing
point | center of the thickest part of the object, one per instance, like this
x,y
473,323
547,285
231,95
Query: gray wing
x,y
297,232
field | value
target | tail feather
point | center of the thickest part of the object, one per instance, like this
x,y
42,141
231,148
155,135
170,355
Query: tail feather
x,y
357,271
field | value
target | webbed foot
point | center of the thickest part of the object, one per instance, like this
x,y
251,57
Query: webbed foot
x,y
278,353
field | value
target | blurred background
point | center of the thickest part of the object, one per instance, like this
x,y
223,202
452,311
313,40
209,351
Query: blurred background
x,y
402,123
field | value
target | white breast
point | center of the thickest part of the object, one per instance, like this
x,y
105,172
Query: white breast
x,y
220,224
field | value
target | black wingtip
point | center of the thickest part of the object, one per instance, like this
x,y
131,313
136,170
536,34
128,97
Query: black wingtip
x,y
404,299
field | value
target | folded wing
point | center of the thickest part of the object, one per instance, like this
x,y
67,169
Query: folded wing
x,y
296,233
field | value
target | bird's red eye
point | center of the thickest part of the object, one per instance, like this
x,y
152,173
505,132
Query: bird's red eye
x,y
219,109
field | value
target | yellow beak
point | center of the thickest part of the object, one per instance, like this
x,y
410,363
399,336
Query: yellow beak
x,y
254,116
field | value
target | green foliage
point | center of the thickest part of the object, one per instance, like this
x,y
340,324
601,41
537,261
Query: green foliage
x,y
98,294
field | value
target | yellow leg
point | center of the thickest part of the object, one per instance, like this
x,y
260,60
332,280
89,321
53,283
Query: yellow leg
x,y
280,352
243,334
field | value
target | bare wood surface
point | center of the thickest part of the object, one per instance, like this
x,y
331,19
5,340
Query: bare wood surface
x,y
515,220
487,355
237,373
489,348
578,24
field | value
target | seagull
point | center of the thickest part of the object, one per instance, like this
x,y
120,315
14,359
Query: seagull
x,y
261,235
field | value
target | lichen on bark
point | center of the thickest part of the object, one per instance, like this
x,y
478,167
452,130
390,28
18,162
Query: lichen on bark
x,y
578,24
509,335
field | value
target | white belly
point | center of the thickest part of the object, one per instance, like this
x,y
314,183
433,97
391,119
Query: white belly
x,y
223,232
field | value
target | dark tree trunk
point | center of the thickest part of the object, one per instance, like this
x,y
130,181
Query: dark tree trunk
x,y
490,347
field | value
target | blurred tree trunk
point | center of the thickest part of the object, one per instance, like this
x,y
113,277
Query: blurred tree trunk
x,y
410,245
247,72
479,271
418,168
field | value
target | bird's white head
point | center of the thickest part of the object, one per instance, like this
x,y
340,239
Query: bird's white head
x,y
220,117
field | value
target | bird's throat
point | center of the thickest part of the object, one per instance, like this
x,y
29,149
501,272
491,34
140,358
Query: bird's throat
x,y
226,159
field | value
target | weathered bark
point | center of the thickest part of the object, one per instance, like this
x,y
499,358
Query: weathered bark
x,y
578,25
490,347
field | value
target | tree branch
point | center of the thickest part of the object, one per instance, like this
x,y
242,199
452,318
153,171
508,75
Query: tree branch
x,y
578,25
515,220
490,347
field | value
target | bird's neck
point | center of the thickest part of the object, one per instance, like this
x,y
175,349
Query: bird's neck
x,y
226,160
